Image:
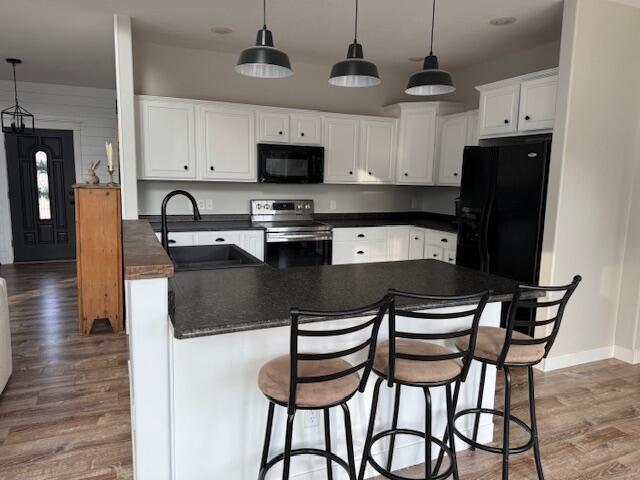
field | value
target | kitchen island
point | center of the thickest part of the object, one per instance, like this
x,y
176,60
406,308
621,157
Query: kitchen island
x,y
197,412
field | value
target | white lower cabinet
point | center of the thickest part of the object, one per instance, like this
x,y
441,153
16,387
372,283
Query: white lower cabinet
x,y
251,241
388,244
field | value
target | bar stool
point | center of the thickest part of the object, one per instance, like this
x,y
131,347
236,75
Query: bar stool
x,y
507,349
318,381
411,359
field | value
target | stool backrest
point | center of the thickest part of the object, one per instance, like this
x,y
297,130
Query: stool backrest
x,y
473,307
370,325
517,303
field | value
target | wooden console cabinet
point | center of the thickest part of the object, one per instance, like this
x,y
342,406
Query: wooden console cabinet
x,y
99,256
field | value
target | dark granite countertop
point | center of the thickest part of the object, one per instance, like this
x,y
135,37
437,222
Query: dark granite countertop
x,y
185,223
232,300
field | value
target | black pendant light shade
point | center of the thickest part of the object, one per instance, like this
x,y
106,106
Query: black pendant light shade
x,y
355,71
430,80
264,60
16,119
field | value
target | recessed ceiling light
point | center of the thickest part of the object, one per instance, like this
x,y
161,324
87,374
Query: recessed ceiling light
x,y
501,21
222,30
416,59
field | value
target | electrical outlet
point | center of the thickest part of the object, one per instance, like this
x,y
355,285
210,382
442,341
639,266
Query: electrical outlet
x,y
332,204
200,204
311,419
209,204
414,203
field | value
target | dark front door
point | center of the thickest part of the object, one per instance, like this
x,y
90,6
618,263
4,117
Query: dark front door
x,y
41,174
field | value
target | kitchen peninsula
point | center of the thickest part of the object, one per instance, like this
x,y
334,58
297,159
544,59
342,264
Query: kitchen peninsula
x,y
197,412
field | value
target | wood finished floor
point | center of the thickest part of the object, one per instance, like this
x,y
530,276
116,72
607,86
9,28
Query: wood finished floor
x,y
65,412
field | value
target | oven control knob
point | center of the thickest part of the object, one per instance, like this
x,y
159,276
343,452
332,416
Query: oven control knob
x,y
259,207
307,206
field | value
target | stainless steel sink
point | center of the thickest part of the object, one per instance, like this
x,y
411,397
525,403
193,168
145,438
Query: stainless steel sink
x,y
211,257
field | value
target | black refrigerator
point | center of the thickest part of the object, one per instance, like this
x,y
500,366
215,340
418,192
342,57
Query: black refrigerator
x,y
501,207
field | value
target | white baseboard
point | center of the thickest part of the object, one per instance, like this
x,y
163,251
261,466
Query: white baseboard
x,y
626,354
578,358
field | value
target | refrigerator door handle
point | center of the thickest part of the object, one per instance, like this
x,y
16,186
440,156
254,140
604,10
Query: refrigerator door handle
x,y
485,259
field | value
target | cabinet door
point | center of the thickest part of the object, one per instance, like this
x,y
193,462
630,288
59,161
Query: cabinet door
x,y
499,110
435,252
227,144
472,127
416,147
416,244
253,242
538,103
397,243
273,127
306,129
168,140
450,256
340,150
453,138
377,151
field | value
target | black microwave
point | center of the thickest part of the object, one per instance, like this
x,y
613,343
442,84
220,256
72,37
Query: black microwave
x,y
290,164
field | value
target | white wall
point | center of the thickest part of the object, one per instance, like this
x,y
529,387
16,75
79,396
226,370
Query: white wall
x,y
89,112
593,161
227,198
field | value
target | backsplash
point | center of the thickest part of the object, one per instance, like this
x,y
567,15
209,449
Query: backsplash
x,y
230,198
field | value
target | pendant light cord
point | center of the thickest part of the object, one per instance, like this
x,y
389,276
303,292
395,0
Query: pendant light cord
x,y
433,22
15,84
355,36
264,14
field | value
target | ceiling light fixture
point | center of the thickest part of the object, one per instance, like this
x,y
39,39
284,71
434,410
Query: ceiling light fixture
x,y
222,30
15,119
501,21
355,71
430,80
264,60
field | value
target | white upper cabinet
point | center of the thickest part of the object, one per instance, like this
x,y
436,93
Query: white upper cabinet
x,y
499,110
519,106
167,146
273,127
227,143
456,132
306,129
538,103
340,149
377,150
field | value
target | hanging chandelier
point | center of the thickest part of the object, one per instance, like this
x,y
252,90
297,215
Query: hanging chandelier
x,y
16,119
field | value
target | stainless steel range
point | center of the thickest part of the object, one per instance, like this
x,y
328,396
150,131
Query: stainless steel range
x,y
293,237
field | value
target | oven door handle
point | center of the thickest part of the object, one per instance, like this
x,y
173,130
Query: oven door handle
x,y
298,237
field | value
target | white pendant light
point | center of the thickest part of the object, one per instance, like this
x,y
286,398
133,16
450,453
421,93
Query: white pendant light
x,y
430,80
264,60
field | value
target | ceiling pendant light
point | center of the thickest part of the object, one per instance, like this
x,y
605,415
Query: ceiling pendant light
x,y
264,60
355,71
15,119
430,80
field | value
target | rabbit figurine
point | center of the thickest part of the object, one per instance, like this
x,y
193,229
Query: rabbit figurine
x,y
90,177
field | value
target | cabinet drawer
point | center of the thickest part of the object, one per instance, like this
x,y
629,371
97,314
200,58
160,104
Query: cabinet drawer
x,y
442,239
180,239
219,238
359,252
359,234
432,251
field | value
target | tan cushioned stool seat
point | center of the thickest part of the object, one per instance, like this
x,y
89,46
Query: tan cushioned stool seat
x,y
417,371
491,340
273,380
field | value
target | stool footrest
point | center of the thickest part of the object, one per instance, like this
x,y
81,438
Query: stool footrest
x,y
303,451
489,448
405,431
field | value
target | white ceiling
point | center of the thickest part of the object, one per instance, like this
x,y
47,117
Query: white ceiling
x,y
70,41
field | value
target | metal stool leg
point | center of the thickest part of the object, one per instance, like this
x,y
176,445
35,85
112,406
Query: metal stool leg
x,y
349,438
394,425
476,421
327,442
507,416
372,419
267,439
287,446
427,435
452,443
534,425
456,394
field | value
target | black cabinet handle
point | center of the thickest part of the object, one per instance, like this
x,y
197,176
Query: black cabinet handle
x,y
406,174
302,134
350,172
212,168
435,255
369,173
172,241
361,235
417,238
455,174
219,239
444,240
186,167
360,252
527,117
506,122
280,133
451,259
